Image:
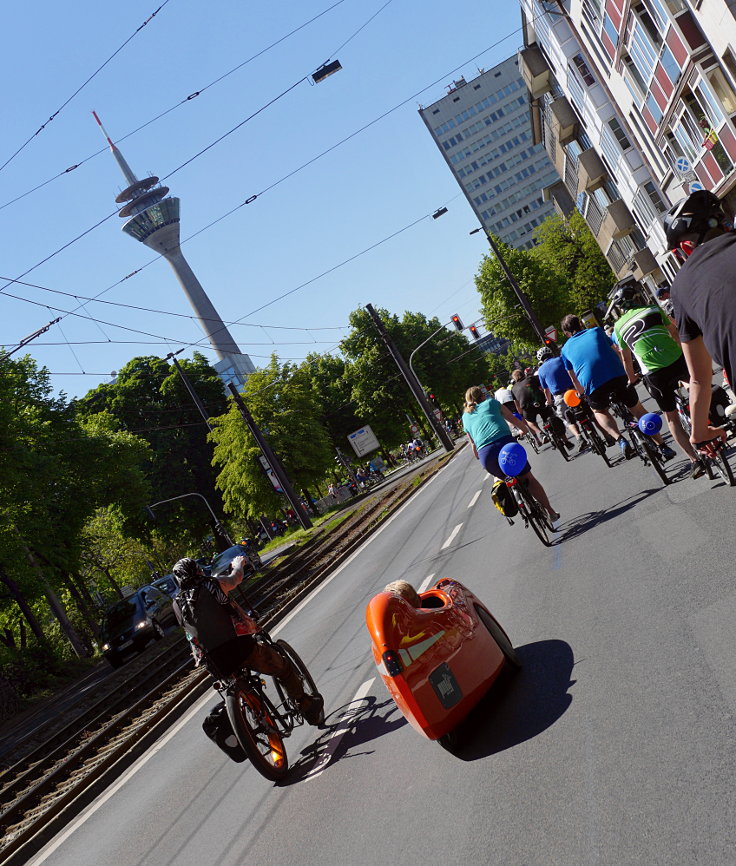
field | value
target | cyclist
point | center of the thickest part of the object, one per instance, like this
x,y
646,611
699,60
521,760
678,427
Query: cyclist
x,y
651,336
530,401
221,632
597,371
555,380
487,424
506,398
699,234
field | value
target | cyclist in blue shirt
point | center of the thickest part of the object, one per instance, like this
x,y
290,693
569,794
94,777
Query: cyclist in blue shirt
x,y
486,423
596,371
555,380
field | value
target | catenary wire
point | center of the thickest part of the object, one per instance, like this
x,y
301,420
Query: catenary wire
x,y
82,86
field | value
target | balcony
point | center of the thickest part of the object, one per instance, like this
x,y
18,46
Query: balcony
x,y
592,173
643,263
560,197
564,121
535,71
618,221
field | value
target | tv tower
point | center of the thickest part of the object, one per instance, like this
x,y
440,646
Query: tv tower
x,y
154,220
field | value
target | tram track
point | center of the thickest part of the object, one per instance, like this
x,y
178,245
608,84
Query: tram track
x,y
51,776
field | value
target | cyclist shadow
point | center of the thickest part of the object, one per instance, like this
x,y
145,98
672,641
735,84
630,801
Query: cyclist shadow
x,y
355,724
520,706
585,522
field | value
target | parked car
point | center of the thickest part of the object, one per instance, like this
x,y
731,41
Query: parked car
x,y
221,563
132,622
167,584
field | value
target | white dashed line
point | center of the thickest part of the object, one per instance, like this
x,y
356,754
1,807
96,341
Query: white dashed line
x,y
474,499
426,583
452,536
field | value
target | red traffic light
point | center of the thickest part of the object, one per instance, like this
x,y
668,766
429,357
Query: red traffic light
x,y
457,322
474,331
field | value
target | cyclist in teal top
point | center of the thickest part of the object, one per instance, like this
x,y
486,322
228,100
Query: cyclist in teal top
x,y
486,422
652,336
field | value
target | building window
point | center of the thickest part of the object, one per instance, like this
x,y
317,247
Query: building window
x,y
582,68
722,89
618,131
651,104
670,65
610,29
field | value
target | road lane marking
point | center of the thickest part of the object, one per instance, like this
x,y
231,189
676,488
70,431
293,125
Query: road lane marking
x,y
342,728
425,583
452,536
474,499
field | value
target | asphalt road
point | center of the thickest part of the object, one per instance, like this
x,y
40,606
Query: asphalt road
x,y
615,744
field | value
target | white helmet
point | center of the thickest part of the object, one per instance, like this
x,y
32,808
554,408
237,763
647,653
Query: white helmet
x,y
544,353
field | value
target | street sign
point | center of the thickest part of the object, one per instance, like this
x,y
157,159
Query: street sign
x,y
414,429
438,414
363,441
270,474
551,332
696,186
682,165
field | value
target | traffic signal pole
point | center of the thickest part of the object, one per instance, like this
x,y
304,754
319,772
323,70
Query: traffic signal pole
x,y
412,382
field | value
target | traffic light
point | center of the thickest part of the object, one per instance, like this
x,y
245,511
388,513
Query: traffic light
x,y
457,322
474,332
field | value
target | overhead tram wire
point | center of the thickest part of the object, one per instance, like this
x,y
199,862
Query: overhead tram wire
x,y
82,86
187,99
295,171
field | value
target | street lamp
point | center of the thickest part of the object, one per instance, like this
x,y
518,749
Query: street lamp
x,y
518,291
219,528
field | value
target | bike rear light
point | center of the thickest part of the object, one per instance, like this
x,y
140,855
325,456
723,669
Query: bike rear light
x,y
392,663
511,481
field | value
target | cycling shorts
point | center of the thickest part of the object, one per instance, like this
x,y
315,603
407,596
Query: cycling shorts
x,y
530,413
488,456
662,383
563,410
618,387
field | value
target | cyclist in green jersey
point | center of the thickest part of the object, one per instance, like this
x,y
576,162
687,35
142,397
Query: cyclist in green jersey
x,y
652,336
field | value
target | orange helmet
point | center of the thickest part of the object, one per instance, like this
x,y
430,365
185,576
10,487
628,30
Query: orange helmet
x,y
572,398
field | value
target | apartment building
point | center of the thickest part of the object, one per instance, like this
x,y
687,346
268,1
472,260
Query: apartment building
x,y
635,102
482,129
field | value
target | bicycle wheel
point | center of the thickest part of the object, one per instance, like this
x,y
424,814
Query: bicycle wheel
x,y
308,683
559,444
533,515
723,468
499,636
256,732
653,457
597,443
532,443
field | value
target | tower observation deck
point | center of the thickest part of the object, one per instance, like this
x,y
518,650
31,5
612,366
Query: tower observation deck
x,y
152,217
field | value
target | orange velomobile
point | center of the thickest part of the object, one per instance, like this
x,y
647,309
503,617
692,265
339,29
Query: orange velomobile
x,y
439,659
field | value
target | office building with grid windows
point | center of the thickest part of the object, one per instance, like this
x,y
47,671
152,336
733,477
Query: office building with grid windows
x,y
482,129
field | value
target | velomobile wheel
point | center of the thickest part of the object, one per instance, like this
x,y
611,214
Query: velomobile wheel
x,y
500,636
450,741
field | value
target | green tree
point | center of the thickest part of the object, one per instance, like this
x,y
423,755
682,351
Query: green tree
x,y
568,248
149,399
331,383
284,405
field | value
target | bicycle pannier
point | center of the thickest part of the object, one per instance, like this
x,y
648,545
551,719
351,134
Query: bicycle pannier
x,y
218,728
504,500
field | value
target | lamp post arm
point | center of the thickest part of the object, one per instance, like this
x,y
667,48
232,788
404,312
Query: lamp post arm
x,y
424,344
217,523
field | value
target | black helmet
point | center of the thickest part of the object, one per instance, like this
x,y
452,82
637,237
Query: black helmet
x,y
544,353
187,573
626,294
695,214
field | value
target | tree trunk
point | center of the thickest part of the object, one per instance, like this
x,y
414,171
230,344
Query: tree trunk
x,y
113,582
56,606
25,609
82,606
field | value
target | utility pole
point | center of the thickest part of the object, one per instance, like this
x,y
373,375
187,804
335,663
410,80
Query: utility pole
x,y
190,388
412,382
518,291
273,461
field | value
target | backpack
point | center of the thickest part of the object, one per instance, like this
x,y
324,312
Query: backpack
x,y
218,728
503,499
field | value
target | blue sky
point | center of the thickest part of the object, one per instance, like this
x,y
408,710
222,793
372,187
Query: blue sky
x,y
377,183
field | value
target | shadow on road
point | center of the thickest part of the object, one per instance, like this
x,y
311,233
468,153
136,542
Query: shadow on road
x,y
520,706
584,522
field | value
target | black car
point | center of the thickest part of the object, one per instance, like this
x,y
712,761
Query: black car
x,y
131,623
221,563
167,584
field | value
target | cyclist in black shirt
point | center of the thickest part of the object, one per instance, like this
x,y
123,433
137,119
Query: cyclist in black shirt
x,y
704,298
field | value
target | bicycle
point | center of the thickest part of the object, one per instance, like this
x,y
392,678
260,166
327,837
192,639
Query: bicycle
x,y
645,448
713,458
260,724
530,510
557,439
583,417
